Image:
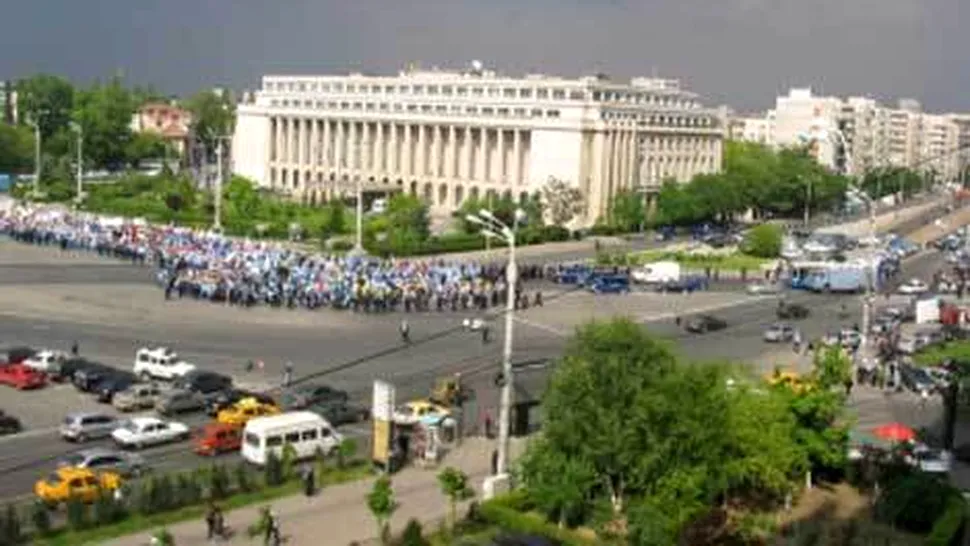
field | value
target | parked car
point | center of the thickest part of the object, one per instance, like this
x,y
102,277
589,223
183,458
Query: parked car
x,y
103,459
913,287
340,413
72,366
9,424
217,438
81,427
47,361
246,409
88,379
112,384
21,377
927,459
136,397
202,382
916,379
761,288
779,333
160,363
19,354
146,431
179,401
705,323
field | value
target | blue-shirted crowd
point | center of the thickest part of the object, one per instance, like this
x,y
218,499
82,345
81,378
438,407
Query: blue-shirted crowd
x,y
207,266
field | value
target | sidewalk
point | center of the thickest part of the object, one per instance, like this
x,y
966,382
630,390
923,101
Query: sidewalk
x,y
338,515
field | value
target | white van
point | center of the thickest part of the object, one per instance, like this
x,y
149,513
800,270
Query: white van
x,y
304,430
657,273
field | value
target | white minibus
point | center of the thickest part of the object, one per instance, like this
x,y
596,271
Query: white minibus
x,y
306,431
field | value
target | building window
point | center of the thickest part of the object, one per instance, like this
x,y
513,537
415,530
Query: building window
x,y
308,104
552,113
559,94
383,107
398,107
338,87
274,102
286,103
432,89
418,89
370,106
351,88
403,89
447,90
520,112
542,93
412,108
455,109
477,92
441,108
389,89
358,106
462,91
471,110
597,96
503,112
302,87
492,92
577,95
525,93
425,107
487,111
537,112
508,93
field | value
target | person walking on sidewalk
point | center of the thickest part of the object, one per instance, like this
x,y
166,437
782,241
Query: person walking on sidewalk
x,y
405,332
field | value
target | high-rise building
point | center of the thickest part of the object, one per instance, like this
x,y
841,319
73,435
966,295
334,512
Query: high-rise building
x,y
8,102
858,134
446,136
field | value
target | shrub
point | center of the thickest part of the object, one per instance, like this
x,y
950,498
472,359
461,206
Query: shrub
x,y
188,489
345,452
163,538
77,514
763,241
288,463
273,471
948,526
913,503
163,494
106,509
498,513
40,518
341,245
218,482
10,529
413,535
244,482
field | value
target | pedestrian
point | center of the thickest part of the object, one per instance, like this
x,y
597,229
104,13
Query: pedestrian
x,y
271,534
924,398
405,331
494,462
287,374
309,481
210,521
485,332
74,348
848,386
488,425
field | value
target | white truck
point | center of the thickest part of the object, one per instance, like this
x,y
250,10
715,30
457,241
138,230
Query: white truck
x,y
160,363
657,273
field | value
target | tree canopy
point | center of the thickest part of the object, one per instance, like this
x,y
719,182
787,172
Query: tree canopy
x,y
630,426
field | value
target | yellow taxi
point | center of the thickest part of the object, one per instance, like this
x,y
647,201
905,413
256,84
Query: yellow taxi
x,y
792,380
244,410
418,410
69,482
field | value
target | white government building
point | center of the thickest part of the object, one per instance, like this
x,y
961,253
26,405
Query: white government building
x,y
447,136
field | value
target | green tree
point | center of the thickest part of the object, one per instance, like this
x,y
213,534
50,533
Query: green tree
x,y
627,210
763,241
408,217
346,450
559,484
40,517
16,149
336,223
104,112
46,98
382,505
562,201
832,368
454,486
213,116
145,146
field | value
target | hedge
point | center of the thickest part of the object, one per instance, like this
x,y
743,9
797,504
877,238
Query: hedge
x,y
509,513
469,242
951,525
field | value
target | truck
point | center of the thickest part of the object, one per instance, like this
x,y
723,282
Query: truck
x,y
657,273
843,278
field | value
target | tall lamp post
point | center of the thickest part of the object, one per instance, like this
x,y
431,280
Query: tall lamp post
x,y
79,131
37,141
494,228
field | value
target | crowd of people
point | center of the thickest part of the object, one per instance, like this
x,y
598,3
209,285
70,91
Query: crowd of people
x,y
208,266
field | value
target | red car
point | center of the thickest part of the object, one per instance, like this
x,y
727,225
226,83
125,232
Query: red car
x,y
21,377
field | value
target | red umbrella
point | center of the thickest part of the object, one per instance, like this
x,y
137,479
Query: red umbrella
x,y
896,432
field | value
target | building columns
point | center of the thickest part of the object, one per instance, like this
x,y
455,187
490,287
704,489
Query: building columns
x,y
481,167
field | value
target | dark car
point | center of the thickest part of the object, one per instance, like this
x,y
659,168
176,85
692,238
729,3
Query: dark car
x,y
88,379
9,424
792,311
70,367
113,384
202,382
218,401
705,323
340,413
304,396
16,355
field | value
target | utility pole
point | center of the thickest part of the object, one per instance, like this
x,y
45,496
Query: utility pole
x,y
808,202
37,156
80,164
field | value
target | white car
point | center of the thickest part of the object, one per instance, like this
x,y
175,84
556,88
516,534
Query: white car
x,y
46,361
160,363
913,287
763,288
140,432
933,461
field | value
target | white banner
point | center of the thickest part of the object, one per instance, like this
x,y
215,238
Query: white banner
x,y
383,406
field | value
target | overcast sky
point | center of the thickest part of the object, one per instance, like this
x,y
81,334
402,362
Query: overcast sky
x,y
739,52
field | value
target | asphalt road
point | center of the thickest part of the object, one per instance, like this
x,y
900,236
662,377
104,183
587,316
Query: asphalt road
x,y
110,309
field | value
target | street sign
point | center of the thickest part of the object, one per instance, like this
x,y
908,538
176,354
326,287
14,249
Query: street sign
x,y
383,405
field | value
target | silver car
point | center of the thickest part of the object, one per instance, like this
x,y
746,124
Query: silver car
x,y
179,401
81,427
778,333
103,459
136,397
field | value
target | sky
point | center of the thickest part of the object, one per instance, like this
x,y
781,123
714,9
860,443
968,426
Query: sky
x,y
737,52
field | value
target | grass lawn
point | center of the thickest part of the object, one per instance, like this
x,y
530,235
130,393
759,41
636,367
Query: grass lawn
x,y
734,261
138,523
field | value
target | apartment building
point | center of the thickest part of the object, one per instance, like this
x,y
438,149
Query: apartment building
x,y
446,136
858,134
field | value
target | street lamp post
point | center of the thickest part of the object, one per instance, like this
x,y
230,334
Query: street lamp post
x,y
80,163
217,201
493,227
